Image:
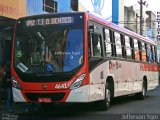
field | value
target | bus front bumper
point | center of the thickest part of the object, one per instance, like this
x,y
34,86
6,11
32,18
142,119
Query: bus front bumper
x,y
80,94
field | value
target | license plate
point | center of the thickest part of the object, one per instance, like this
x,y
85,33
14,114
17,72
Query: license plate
x,y
47,100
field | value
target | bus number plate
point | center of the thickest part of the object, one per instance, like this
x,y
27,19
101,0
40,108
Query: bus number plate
x,y
47,100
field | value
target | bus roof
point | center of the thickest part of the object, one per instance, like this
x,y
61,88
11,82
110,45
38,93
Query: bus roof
x,y
119,28
98,20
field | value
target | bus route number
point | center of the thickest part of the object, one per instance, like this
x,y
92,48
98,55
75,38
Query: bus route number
x,y
61,86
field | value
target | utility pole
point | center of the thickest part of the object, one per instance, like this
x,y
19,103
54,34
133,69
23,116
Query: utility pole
x,y
141,2
141,17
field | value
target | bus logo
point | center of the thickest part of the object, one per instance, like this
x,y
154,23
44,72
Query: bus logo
x,y
98,5
44,86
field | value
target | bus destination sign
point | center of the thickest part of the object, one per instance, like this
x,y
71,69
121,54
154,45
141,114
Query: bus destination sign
x,y
49,21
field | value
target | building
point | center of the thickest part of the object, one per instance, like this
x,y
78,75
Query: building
x,y
151,25
111,10
132,18
158,35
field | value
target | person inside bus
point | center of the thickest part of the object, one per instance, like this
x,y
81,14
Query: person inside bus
x,y
52,61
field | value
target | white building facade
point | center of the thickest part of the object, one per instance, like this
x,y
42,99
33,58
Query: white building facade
x,y
110,10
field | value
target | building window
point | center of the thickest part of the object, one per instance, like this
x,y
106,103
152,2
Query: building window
x,y
74,5
50,6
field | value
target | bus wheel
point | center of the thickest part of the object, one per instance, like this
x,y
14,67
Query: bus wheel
x,y
142,94
105,104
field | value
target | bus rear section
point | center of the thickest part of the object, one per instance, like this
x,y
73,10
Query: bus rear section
x,y
49,63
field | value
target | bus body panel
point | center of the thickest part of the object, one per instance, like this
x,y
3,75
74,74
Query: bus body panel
x,y
79,95
127,76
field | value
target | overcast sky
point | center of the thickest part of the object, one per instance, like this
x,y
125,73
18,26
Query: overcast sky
x,y
153,5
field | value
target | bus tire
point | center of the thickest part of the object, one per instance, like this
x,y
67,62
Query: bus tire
x,y
142,94
105,104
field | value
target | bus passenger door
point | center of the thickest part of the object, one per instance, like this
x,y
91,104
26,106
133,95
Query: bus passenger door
x,y
95,46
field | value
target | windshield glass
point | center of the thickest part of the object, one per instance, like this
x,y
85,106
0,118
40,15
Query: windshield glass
x,y
59,50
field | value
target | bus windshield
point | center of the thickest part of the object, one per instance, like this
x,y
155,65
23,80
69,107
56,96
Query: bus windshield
x,y
43,51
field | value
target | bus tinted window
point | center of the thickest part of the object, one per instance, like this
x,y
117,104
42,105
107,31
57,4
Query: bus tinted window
x,y
118,44
128,47
149,53
136,50
155,51
108,44
143,52
153,54
97,45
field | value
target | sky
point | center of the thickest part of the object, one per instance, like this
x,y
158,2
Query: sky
x,y
152,4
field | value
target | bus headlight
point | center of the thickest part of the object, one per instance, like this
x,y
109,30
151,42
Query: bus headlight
x,y
78,82
15,84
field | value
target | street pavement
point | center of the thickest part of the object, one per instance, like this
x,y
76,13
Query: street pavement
x,y
120,107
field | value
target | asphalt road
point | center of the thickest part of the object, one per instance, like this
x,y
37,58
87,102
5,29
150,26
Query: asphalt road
x,y
122,108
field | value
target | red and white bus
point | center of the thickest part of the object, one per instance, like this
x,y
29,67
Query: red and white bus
x,y
77,57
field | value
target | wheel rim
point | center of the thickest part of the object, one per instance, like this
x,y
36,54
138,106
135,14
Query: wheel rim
x,y
108,97
143,91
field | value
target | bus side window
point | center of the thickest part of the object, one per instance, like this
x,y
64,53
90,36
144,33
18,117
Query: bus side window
x,y
140,49
123,46
128,47
118,44
89,45
136,50
149,53
143,52
108,44
153,54
97,45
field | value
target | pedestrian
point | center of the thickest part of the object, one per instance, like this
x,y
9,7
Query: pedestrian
x,y
7,86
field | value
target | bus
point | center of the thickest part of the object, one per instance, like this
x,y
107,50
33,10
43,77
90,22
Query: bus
x,y
79,58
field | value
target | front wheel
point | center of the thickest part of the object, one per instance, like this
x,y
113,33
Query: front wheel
x,y
105,104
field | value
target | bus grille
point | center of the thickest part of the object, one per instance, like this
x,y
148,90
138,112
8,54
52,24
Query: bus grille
x,y
53,96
